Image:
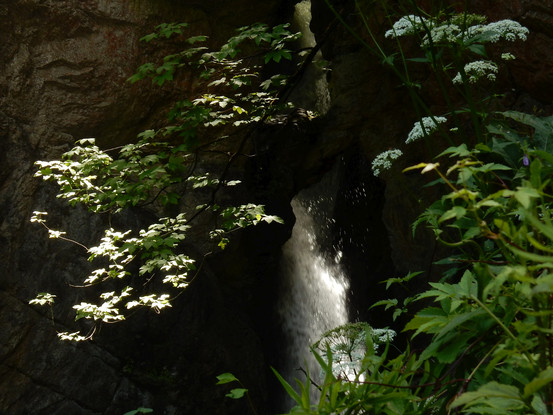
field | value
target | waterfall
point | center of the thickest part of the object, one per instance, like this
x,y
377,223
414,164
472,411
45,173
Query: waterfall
x,y
312,297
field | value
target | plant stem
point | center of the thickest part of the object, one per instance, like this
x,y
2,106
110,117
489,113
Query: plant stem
x,y
505,329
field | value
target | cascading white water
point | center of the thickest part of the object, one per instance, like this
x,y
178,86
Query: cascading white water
x,y
312,298
313,295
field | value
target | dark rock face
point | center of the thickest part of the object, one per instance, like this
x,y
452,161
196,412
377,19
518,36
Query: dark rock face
x,y
62,77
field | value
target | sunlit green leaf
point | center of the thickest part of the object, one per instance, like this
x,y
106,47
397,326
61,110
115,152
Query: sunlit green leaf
x,y
237,393
226,378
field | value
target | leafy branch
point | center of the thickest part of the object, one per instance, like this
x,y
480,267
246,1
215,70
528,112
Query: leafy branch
x,y
163,168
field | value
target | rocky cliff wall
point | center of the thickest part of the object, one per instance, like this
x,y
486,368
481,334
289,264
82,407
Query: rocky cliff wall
x,y
63,77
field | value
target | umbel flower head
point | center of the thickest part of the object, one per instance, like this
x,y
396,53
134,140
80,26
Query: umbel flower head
x,y
446,33
426,126
384,160
407,25
506,29
477,70
457,29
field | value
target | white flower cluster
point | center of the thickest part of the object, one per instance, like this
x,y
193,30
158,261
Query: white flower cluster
x,y
407,25
349,352
441,34
382,336
506,29
502,29
452,31
384,160
477,70
475,30
425,126
507,56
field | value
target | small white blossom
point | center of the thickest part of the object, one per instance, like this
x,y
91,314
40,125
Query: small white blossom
x,y
493,32
507,56
453,31
444,33
384,160
425,126
382,336
407,25
477,70
506,29
475,30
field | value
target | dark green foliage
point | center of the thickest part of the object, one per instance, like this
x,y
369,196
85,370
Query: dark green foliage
x,y
489,319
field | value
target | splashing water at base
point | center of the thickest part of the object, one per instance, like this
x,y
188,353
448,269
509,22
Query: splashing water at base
x,y
313,291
